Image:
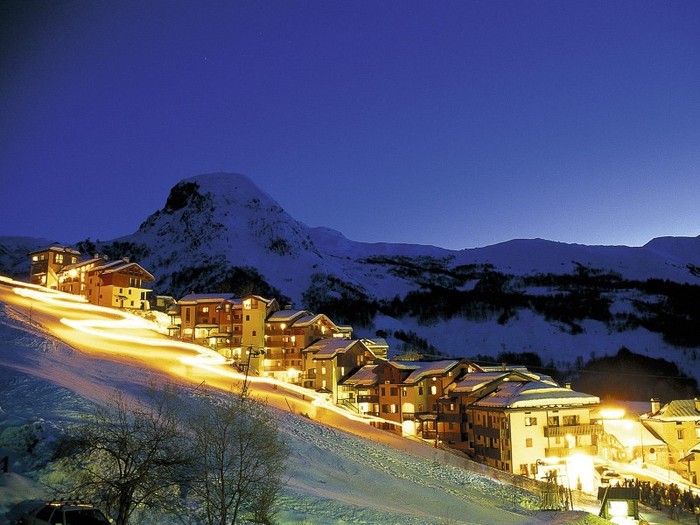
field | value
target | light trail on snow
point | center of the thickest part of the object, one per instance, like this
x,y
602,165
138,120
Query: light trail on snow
x,y
102,330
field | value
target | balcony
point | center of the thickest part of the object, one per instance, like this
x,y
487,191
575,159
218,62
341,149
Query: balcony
x,y
573,430
562,452
368,399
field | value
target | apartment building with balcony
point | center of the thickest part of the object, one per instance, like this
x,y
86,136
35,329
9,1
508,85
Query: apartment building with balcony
x,y
404,392
327,362
223,322
288,333
116,284
516,420
46,264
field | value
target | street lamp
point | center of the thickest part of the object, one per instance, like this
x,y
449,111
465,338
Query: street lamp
x,y
255,353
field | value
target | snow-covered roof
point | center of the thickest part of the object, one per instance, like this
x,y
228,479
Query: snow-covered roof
x,y
476,380
430,368
679,410
534,394
311,319
61,249
329,348
286,316
207,297
121,265
365,376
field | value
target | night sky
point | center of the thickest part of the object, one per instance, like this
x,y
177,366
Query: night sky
x,y
453,123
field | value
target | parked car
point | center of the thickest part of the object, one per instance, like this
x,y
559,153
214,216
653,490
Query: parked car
x,y
64,513
610,476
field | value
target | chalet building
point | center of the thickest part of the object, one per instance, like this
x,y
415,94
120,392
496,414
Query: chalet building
x,y
378,346
328,361
678,425
116,284
235,326
362,387
287,333
119,284
223,322
405,392
516,420
47,263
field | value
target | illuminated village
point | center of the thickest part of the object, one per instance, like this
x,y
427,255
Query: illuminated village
x,y
506,417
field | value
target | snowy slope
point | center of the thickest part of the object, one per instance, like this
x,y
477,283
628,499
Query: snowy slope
x,y
334,477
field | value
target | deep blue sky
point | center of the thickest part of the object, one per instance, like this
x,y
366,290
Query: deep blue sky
x,y
454,123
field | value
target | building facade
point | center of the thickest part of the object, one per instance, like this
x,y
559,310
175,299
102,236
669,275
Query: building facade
x,y
678,424
46,264
116,284
518,421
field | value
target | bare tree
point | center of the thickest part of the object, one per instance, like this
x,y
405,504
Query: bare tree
x,y
240,460
129,456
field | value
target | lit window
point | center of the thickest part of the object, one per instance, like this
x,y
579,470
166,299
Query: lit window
x,y
528,442
205,309
680,433
433,390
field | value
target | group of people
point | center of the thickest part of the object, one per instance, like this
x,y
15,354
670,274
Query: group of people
x,y
670,497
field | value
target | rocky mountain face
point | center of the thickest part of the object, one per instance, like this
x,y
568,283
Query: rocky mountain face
x,y
564,302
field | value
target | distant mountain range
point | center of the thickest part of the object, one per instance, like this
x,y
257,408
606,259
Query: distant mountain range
x,y
564,302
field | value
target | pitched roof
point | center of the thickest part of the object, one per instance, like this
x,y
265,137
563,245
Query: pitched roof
x,y
679,410
329,348
120,265
208,297
311,319
430,368
534,394
286,316
477,380
365,376
61,249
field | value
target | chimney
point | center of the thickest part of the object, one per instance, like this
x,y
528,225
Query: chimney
x,y
697,404
567,385
655,405
125,259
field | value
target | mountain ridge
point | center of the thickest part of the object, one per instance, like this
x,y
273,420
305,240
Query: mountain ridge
x,y
219,231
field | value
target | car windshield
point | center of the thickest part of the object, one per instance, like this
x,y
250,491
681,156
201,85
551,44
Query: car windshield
x,y
85,517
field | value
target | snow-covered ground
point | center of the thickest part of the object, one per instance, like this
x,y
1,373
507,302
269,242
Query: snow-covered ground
x,y
334,477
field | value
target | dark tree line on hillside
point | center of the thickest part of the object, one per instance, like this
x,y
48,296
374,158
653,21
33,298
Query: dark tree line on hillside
x,y
634,377
479,293
626,376
339,300
217,278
